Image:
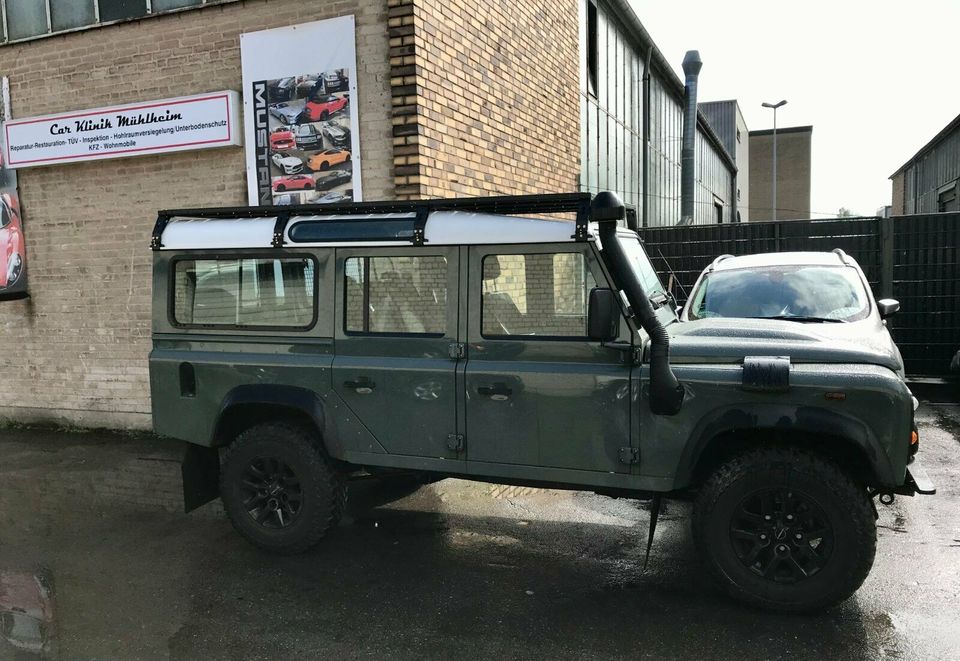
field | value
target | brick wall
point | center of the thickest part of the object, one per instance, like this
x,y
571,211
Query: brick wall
x,y
76,352
898,194
485,96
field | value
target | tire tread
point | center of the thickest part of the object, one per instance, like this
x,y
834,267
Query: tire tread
x,y
850,494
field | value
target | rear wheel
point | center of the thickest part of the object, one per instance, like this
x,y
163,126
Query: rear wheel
x,y
785,529
278,488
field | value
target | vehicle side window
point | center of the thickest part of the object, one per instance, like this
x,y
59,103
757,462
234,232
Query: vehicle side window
x,y
542,295
245,293
396,295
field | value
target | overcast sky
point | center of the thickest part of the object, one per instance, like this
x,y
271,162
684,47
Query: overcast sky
x,y
876,80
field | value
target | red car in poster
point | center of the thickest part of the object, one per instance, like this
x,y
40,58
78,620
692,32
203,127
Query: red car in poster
x,y
293,182
321,107
11,241
282,138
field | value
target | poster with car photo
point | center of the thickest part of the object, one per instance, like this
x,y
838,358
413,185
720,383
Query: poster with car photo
x,y
300,114
13,255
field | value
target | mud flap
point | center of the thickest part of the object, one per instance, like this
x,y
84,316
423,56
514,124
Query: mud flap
x,y
200,470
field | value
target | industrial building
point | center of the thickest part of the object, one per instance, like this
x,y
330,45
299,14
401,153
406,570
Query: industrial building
x,y
927,183
727,121
794,154
447,98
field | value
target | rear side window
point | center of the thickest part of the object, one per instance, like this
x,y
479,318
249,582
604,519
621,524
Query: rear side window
x,y
535,295
245,293
396,295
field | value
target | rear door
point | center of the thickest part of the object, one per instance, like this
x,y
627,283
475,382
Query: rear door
x,y
396,322
538,391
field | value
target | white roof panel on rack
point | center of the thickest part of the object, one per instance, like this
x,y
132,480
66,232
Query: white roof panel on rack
x,y
442,228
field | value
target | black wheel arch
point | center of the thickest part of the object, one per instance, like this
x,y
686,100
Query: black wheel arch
x,y
248,405
727,432
242,408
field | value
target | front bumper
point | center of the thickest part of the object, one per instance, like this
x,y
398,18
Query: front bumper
x,y
917,482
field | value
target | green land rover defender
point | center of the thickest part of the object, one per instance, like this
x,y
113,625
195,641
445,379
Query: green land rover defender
x,y
523,340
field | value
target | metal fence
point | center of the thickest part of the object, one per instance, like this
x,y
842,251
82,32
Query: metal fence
x,y
914,259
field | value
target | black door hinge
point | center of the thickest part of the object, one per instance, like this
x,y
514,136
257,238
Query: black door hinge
x,y
455,442
457,350
629,456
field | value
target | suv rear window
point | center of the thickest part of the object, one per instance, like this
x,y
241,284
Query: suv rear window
x,y
245,293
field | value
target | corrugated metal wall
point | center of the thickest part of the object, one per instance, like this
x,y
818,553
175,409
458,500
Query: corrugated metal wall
x,y
611,123
923,179
915,259
722,116
713,201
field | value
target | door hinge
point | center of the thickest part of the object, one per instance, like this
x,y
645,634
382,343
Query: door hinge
x,y
455,442
457,350
629,455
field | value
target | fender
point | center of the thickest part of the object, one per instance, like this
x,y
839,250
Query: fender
x,y
303,401
200,467
785,419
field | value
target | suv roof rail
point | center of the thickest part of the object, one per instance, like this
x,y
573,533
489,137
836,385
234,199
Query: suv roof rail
x,y
550,203
842,255
719,259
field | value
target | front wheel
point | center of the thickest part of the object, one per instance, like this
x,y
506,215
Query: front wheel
x,y
785,529
279,489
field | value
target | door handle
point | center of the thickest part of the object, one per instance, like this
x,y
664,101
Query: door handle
x,y
497,392
362,386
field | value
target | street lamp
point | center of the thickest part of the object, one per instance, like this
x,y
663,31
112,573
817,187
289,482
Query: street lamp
x,y
775,106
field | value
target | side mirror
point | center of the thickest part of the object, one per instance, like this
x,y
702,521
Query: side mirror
x,y
603,315
887,307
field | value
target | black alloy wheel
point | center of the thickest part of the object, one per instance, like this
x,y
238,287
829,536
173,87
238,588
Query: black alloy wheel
x,y
781,527
280,489
271,490
781,534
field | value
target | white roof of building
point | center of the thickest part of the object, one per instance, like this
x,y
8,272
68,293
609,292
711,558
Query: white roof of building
x,y
442,228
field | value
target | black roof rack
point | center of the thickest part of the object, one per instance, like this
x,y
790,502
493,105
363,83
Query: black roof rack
x,y
578,203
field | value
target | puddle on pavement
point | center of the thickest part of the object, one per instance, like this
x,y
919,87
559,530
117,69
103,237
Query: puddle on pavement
x,y
27,623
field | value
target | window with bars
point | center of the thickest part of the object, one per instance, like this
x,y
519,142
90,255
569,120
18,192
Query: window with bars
x,y
32,19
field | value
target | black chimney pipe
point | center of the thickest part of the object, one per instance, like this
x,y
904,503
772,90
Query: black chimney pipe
x,y
691,69
666,393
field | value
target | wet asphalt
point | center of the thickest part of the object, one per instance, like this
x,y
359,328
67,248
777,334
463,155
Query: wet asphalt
x,y
446,571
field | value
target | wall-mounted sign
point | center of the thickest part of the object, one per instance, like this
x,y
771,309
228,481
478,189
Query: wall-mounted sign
x,y
155,127
13,253
300,113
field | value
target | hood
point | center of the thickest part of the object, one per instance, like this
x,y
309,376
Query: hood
x,y
729,340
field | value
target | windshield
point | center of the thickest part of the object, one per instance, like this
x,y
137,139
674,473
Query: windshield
x,y
642,267
815,293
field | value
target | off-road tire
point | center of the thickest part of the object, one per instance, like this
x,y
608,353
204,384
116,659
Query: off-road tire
x,y
323,487
844,503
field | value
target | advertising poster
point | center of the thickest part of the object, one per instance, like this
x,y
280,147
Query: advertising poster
x,y
302,141
13,254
